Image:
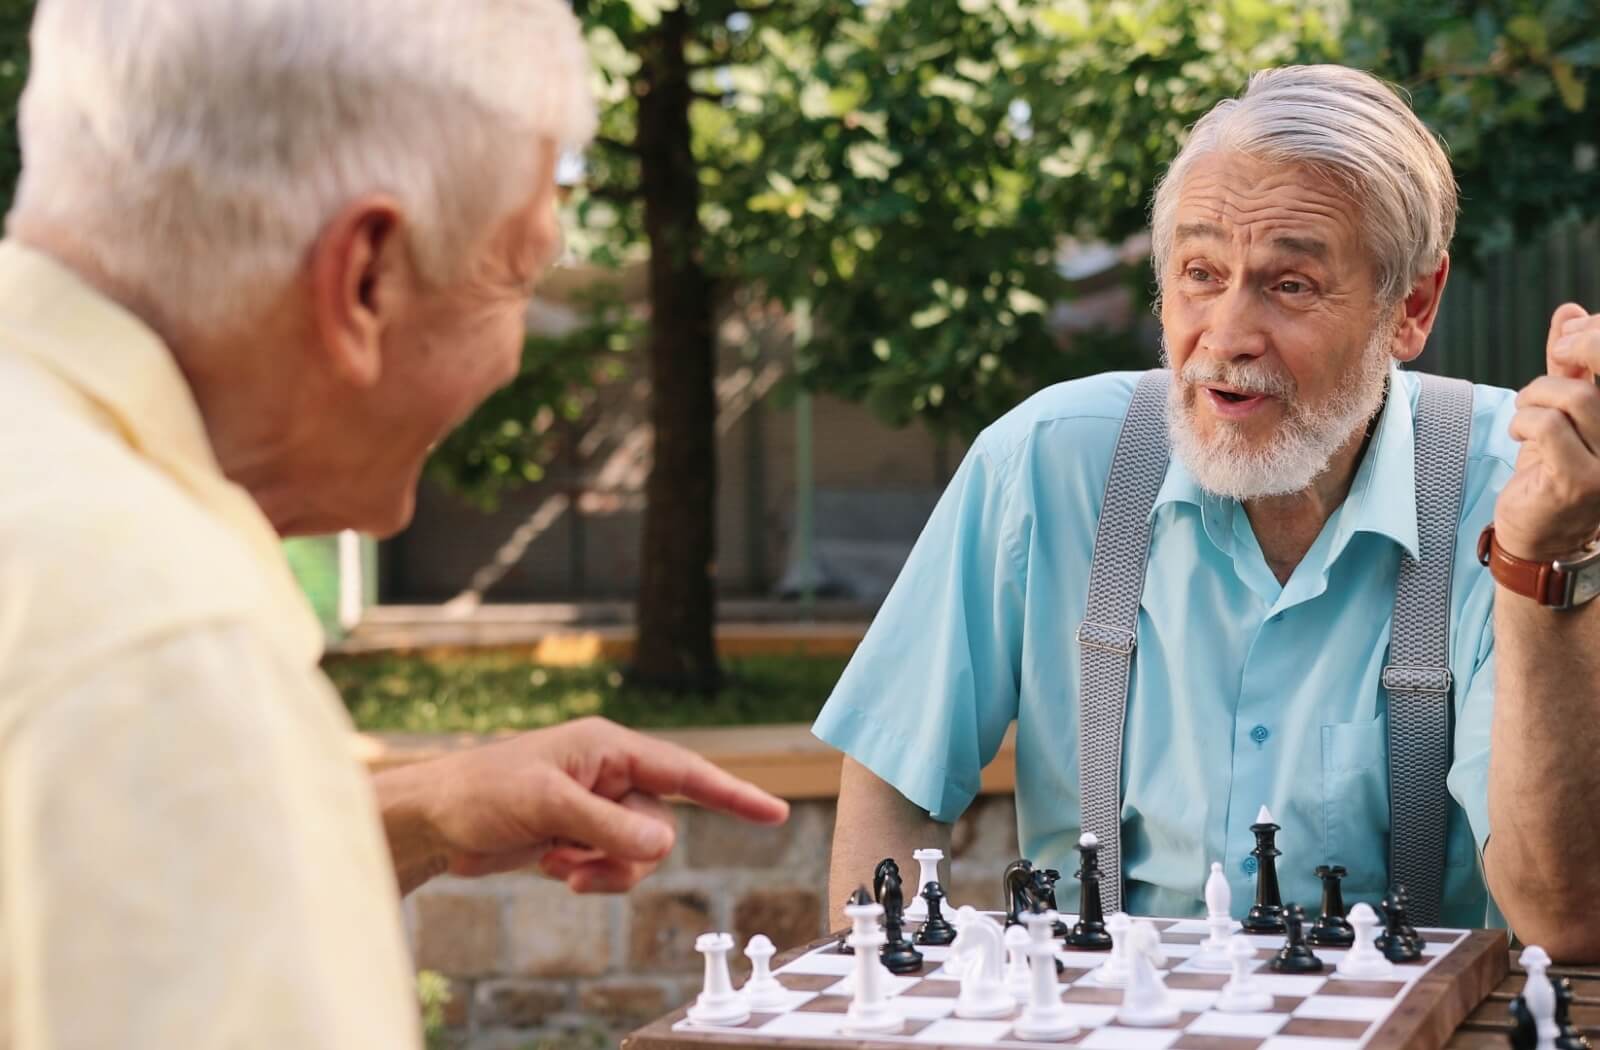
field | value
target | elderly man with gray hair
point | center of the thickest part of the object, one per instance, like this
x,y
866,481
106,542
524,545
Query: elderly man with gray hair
x,y
263,256
1284,583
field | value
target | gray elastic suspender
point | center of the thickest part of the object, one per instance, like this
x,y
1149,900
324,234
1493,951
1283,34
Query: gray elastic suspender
x,y
1417,677
1418,674
1111,619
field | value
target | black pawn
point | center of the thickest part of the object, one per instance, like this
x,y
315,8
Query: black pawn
x,y
858,897
1332,929
1089,932
1568,1037
1393,942
1402,899
1295,956
897,953
936,929
1266,915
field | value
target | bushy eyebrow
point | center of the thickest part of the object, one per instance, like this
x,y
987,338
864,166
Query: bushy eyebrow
x,y
1208,231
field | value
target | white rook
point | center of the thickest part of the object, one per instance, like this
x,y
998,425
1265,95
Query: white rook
x,y
928,861
718,1003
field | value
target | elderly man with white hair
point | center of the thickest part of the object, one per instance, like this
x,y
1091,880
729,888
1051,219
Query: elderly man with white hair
x,y
1255,579
263,256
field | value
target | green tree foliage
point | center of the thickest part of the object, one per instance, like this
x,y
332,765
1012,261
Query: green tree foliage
x,y
1513,87
506,443
911,168
15,17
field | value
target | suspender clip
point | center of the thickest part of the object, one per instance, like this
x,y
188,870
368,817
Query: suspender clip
x,y
1398,679
1103,636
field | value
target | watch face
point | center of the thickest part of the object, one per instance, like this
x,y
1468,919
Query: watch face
x,y
1586,585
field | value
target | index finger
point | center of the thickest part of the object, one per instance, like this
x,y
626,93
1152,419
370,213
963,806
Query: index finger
x,y
1564,313
667,769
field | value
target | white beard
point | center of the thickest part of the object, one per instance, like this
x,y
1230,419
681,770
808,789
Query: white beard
x,y
1227,464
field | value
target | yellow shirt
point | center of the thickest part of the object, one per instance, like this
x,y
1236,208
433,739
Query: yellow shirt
x,y
189,856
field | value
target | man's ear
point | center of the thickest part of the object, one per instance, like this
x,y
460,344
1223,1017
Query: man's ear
x,y
1418,310
358,271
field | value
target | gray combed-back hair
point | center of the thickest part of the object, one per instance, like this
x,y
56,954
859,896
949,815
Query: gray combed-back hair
x,y
197,148
1350,127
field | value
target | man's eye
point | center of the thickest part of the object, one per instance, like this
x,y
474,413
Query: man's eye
x,y
1195,273
1292,287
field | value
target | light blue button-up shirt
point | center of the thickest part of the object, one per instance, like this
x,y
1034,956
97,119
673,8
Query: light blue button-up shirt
x,y
1245,692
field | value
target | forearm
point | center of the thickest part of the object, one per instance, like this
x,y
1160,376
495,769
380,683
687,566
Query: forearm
x,y
1544,773
414,847
875,821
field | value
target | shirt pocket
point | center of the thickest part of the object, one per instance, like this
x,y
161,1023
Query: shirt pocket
x,y
1355,805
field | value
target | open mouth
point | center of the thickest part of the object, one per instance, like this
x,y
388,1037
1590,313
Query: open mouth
x,y
1234,402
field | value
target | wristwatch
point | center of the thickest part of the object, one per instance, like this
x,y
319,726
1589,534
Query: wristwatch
x,y
1563,583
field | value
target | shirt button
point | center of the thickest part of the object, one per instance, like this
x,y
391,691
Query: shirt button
x,y
1249,865
1259,734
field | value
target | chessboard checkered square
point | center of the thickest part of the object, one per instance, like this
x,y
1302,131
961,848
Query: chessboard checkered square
x,y
1090,1016
1290,983
924,1007
1297,1042
963,1032
1115,1037
1215,1022
893,984
804,1025
822,962
1343,1008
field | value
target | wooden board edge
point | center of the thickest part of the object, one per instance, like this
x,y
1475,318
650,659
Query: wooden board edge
x,y
1440,1001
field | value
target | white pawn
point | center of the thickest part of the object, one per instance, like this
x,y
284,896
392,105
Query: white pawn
x,y
1364,962
1146,1003
1213,953
1046,1018
1114,971
983,986
1017,979
1243,994
1540,996
762,991
870,1009
718,1003
928,862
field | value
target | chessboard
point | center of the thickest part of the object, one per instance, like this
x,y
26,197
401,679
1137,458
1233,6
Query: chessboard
x,y
1417,1010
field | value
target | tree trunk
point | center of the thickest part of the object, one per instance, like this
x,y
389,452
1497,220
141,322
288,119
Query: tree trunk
x,y
676,611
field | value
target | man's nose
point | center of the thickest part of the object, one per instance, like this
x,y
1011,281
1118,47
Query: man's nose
x,y
1235,325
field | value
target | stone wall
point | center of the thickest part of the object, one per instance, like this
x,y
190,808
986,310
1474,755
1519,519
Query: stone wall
x,y
534,966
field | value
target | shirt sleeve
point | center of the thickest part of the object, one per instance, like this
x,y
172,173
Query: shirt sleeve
x,y
190,857
926,699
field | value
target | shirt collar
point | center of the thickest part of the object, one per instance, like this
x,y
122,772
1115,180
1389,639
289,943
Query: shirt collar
x,y
1382,496
121,366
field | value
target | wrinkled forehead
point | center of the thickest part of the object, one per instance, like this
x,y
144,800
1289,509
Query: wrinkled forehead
x,y
1250,208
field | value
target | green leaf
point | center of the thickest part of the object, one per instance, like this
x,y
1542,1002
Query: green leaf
x,y
871,160
1573,91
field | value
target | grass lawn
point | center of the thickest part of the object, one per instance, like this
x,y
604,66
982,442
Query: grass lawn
x,y
480,693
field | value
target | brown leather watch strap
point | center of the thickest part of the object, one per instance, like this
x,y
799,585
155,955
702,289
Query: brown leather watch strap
x,y
1538,580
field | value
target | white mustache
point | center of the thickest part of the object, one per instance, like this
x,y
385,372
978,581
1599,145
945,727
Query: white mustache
x,y
1244,380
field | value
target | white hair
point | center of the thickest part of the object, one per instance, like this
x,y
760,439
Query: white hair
x,y
198,147
1352,128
